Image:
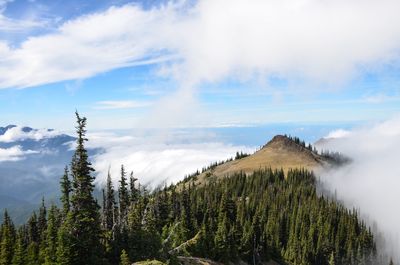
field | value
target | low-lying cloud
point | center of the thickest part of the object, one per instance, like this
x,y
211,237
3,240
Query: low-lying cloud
x,y
371,182
210,40
156,160
19,133
14,153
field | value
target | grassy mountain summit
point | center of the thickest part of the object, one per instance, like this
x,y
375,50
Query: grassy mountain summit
x,y
281,152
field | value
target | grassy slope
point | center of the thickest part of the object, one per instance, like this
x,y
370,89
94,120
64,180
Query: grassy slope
x,y
279,153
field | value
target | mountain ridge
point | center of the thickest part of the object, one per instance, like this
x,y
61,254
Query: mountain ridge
x,y
281,152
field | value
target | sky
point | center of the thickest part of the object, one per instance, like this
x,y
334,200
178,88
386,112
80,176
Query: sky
x,y
150,64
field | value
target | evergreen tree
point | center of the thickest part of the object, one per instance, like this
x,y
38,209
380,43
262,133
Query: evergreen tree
x,y
7,233
123,196
81,233
19,249
65,191
51,236
65,254
109,205
124,258
42,231
32,254
134,191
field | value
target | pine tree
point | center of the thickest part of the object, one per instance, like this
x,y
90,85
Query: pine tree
x,y
42,231
65,191
32,254
42,222
51,236
109,205
123,196
7,233
124,258
81,230
65,254
134,191
19,249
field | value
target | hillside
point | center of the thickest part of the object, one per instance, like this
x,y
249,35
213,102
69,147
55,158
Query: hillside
x,y
281,152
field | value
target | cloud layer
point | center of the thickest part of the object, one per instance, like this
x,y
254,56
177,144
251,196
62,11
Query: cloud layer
x,y
14,153
157,160
17,133
371,183
214,39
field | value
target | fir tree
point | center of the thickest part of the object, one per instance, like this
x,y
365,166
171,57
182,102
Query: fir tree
x,y
19,249
7,233
123,196
134,191
65,191
109,205
124,258
51,236
82,226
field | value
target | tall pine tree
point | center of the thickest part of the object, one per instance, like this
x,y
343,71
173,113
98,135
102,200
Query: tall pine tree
x,y
81,230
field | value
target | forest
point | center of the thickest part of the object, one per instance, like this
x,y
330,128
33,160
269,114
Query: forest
x,y
269,215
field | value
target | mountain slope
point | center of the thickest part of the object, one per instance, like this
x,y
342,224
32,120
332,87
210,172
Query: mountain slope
x,y
281,152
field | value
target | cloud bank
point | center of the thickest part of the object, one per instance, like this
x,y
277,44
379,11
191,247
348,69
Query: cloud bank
x,y
214,39
156,160
14,153
19,133
371,183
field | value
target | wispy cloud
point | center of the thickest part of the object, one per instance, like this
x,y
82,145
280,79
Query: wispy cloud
x,y
121,104
10,24
212,40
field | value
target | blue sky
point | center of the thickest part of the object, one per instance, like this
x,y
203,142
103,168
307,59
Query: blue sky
x,y
122,64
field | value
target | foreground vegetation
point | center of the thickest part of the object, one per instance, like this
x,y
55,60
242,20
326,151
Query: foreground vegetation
x,y
252,218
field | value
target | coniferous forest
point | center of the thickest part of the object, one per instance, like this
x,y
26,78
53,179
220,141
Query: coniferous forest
x,y
269,215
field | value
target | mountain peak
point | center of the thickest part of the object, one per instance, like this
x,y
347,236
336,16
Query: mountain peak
x,y
3,130
280,142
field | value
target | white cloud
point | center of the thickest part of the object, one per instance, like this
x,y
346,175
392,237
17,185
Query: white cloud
x,y
14,153
214,39
340,133
121,104
370,183
156,159
17,134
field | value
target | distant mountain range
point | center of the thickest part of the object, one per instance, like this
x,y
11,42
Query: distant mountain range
x,y
31,164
